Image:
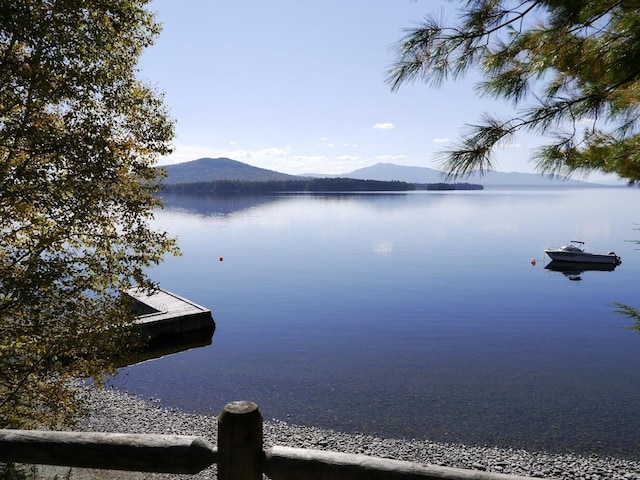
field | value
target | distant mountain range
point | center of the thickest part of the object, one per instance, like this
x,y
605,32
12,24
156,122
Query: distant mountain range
x,y
490,178
215,169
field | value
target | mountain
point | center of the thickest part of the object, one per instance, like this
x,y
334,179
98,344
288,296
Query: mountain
x,y
491,178
390,171
212,169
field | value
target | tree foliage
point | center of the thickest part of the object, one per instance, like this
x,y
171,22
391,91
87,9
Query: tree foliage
x,y
79,135
239,187
571,68
630,312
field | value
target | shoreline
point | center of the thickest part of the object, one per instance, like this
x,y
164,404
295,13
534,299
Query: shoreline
x,y
111,410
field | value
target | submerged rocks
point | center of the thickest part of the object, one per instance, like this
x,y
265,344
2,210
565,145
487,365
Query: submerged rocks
x,y
114,411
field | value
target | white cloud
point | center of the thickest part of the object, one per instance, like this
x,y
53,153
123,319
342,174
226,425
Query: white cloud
x,y
185,153
309,158
305,163
586,121
384,126
441,140
390,158
348,158
280,159
509,145
325,165
264,154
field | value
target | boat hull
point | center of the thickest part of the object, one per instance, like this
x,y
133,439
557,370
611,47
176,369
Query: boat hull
x,y
583,257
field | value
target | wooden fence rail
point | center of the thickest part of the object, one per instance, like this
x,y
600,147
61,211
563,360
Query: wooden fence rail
x,y
111,451
239,456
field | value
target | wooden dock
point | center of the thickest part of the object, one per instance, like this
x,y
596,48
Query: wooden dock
x,y
163,316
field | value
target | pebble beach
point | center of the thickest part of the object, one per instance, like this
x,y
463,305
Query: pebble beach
x,y
111,410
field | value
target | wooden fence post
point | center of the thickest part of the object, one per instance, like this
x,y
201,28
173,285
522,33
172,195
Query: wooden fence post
x,y
240,454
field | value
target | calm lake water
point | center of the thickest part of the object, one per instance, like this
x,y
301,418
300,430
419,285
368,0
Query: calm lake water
x,y
414,315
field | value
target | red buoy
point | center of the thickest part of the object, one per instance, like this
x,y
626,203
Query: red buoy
x,y
221,259
533,262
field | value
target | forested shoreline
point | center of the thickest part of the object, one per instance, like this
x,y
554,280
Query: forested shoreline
x,y
226,187
448,186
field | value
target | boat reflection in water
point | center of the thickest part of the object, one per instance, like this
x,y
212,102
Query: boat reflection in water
x,y
574,270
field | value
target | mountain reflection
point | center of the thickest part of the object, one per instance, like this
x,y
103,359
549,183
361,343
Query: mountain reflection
x,y
215,205
223,205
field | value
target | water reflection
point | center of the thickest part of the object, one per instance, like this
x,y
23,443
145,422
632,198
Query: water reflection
x,y
168,346
226,205
422,304
574,270
215,205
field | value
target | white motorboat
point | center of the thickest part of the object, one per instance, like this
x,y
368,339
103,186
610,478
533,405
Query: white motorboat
x,y
574,252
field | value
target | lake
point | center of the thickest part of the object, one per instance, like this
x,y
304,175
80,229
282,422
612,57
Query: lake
x,y
410,315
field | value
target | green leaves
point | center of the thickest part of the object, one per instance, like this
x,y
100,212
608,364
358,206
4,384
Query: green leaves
x,y
567,63
79,137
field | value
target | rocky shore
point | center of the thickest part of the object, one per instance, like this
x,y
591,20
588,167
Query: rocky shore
x,y
111,410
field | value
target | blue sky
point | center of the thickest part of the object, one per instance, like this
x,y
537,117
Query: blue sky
x,y
298,87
